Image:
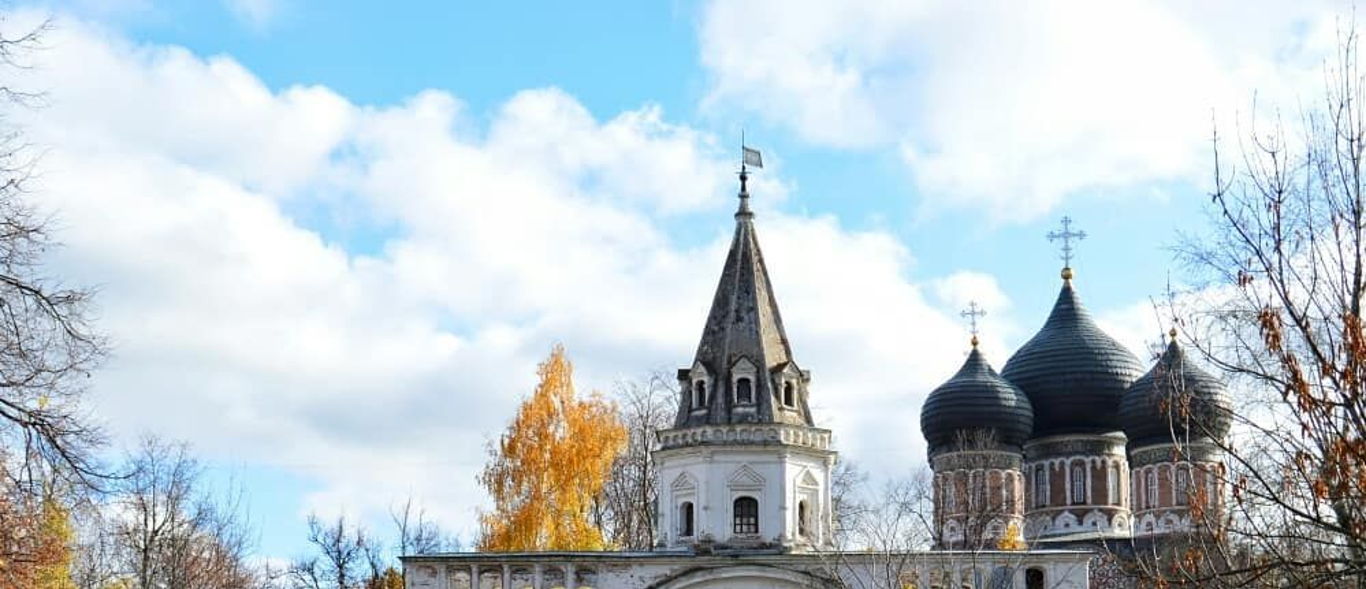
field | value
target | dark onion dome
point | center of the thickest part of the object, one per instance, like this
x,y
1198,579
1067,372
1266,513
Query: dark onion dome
x,y
976,399
1175,398
1073,373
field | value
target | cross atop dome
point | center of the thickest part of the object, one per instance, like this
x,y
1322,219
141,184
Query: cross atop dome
x,y
1066,235
973,313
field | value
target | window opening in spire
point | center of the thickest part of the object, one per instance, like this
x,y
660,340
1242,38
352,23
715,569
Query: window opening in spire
x,y
744,392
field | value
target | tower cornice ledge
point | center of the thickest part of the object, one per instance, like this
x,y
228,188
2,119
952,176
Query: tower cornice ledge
x,y
746,434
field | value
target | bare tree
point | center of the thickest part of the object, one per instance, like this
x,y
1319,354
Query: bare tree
x,y
167,530
47,344
626,509
846,482
1284,272
346,557
417,534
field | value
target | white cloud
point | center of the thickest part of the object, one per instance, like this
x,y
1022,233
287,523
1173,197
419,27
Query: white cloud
x,y
257,14
1010,108
262,340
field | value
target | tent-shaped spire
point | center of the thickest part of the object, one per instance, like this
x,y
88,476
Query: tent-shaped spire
x,y
743,370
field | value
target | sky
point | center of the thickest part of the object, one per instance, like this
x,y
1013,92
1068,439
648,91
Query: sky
x,y
332,241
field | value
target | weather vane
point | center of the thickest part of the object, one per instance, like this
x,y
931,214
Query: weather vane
x,y
748,158
1066,235
973,312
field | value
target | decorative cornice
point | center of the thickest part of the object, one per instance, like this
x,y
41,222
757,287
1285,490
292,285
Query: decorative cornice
x,y
746,434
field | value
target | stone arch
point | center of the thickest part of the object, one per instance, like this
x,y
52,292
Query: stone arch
x,y
1121,523
1147,525
1095,520
742,576
1170,523
1065,521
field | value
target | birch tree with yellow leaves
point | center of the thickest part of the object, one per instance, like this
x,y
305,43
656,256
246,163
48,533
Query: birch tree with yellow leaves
x,y
547,469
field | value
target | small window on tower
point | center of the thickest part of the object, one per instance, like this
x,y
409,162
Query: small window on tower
x,y
1078,484
1040,486
744,392
803,520
699,398
746,514
1182,486
1152,490
789,396
1112,485
685,519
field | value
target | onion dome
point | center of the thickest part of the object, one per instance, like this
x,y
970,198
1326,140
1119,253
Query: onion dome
x,y
976,399
1174,400
1073,373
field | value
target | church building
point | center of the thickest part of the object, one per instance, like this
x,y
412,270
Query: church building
x,y
1070,444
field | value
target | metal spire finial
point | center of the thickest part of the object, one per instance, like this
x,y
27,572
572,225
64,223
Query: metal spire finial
x,y
748,157
1066,235
973,312
1170,294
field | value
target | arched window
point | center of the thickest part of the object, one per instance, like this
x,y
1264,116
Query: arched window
x,y
699,398
1112,485
746,517
744,392
1034,578
1152,489
1182,486
1040,486
685,519
949,493
803,520
789,397
1078,484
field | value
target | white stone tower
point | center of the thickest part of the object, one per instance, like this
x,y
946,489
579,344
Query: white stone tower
x,y
744,468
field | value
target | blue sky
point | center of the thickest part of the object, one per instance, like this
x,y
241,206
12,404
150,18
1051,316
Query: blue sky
x,y
333,239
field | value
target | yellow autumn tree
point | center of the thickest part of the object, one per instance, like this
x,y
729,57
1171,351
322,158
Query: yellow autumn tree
x,y
1012,539
56,536
549,465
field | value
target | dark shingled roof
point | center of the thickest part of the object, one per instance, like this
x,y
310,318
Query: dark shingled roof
x,y
1073,373
976,398
744,323
1156,406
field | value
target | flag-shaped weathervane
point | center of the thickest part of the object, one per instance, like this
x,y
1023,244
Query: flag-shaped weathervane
x,y
752,158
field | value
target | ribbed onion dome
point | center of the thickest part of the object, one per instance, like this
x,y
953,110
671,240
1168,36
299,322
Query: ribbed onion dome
x,y
1073,373
1175,398
975,399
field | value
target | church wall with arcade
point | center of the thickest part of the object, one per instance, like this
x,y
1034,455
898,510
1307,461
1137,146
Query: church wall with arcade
x,y
680,570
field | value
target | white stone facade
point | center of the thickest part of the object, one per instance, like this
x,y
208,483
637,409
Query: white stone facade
x,y
791,486
1050,569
